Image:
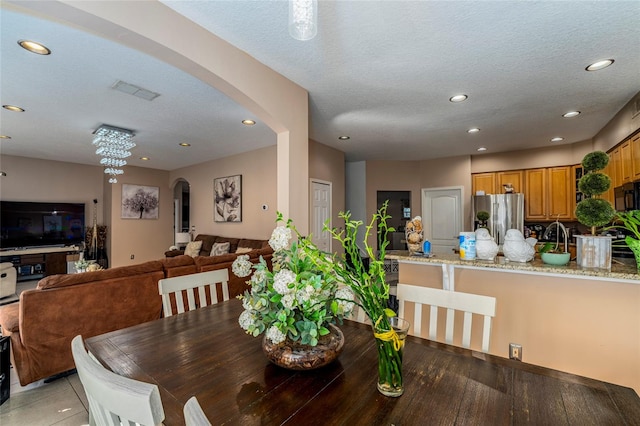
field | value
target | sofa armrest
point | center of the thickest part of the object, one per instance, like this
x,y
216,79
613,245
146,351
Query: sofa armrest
x,y
173,253
9,317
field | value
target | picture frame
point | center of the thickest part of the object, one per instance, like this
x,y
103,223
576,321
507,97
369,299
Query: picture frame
x,y
227,199
140,202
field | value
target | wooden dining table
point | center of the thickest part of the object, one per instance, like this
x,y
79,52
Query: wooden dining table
x,y
205,353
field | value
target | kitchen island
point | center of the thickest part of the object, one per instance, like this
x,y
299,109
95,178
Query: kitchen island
x,y
582,321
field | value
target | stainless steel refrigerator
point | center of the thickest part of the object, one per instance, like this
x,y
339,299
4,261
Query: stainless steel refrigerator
x,y
506,211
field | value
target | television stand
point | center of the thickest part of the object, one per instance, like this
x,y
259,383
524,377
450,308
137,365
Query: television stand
x,y
38,262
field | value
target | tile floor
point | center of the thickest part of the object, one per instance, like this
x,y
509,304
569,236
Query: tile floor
x,y
61,402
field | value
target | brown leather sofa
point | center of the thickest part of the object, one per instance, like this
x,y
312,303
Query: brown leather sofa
x,y
47,318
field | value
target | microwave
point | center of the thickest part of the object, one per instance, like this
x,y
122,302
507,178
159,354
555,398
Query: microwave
x,y
627,197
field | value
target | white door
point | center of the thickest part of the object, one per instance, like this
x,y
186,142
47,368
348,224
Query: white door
x,y
442,217
320,213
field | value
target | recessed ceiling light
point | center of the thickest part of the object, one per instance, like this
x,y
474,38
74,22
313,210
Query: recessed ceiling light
x,y
458,98
248,122
184,144
571,114
34,47
599,65
144,158
557,139
482,148
344,138
473,130
13,108
5,137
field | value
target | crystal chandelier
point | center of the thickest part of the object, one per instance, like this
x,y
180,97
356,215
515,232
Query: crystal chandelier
x,y
113,145
303,19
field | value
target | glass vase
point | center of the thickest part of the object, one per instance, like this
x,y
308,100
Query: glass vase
x,y
390,345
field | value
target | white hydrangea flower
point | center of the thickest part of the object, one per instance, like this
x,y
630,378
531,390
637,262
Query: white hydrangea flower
x,y
241,267
288,301
246,319
343,305
302,296
280,238
275,335
259,276
246,303
282,279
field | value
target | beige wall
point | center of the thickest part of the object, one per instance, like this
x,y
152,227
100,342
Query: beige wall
x,y
144,239
258,170
327,164
552,156
30,179
621,126
585,327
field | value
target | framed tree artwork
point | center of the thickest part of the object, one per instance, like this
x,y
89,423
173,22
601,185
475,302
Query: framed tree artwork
x,y
227,192
140,202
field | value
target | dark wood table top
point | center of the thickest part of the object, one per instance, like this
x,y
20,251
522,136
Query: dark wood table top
x,y
205,353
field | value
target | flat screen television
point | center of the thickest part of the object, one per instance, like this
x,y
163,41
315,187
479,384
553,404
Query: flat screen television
x,y
31,224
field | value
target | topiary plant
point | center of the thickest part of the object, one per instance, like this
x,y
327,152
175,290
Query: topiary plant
x,y
482,217
593,211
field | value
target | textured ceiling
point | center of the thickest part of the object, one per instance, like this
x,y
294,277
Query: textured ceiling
x,y
380,72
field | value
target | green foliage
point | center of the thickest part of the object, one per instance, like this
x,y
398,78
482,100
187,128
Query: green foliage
x,y
628,220
548,248
594,161
369,284
482,215
594,212
594,183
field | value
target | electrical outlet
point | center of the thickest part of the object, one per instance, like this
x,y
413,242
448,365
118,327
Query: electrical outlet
x,y
132,256
515,351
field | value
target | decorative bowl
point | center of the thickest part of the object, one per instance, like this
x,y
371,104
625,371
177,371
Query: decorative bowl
x,y
556,258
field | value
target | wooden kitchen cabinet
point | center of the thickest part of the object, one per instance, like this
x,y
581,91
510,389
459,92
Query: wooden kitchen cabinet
x,y
609,196
514,177
616,167
493,182
484,182
535,194
549,193
626,162
635,155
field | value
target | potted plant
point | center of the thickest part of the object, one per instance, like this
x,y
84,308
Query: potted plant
x,y
483,217
552,255
631,222
594,251
296,304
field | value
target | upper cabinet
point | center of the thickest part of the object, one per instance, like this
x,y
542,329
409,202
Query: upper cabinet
x,y
635,154
483,182
626,162
494,182
549,193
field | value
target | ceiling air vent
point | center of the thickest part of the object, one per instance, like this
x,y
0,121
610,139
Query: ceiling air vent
x,y
131,89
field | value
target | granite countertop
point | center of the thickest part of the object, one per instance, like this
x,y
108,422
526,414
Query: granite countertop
x,y
619,271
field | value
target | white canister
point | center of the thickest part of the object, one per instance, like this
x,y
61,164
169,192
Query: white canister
x,y
467,245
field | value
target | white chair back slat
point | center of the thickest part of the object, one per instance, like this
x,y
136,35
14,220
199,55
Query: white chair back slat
x,y
452,301
189,283
193,414
113,399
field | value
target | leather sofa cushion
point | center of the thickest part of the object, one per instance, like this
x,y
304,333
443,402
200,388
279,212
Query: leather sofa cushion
x,y
252,244
56,281
207,243
210,260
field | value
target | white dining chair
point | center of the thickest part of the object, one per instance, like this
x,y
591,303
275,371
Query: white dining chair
x,y
115,400
451,301
193,414
178,287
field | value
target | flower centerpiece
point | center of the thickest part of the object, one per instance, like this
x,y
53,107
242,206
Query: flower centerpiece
x,y
296,304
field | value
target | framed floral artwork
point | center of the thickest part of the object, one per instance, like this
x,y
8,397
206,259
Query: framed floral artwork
x,y
140,202
227,193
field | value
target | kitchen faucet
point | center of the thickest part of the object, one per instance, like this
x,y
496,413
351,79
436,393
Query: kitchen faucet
x,y
560,226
